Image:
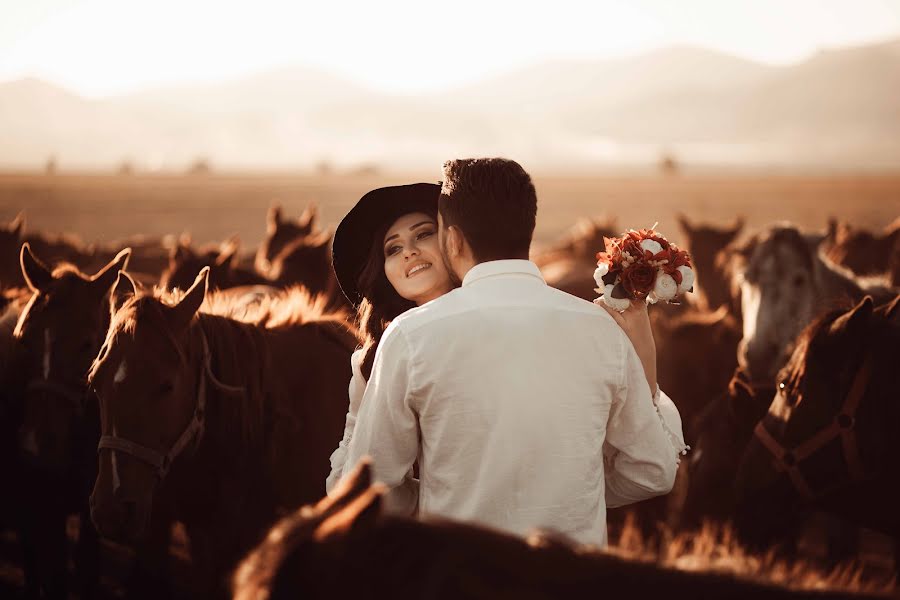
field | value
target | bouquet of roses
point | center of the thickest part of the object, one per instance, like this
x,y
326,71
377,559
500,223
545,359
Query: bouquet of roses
x,y
642,265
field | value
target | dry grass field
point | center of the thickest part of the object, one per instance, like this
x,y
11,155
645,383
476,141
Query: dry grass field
x,y
211,207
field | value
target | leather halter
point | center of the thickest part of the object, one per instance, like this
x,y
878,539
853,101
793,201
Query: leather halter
x,y
192,432
843,426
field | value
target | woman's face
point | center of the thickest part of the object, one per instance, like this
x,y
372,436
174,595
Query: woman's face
x,y
412,259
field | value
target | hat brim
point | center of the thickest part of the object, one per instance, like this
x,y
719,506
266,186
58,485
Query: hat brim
x,y
353,236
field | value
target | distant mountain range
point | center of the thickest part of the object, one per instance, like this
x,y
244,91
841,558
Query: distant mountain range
x,y
838,109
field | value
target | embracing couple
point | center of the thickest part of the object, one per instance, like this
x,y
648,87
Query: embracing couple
x,y
525,407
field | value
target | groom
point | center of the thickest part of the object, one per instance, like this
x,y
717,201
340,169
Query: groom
x,y
505,388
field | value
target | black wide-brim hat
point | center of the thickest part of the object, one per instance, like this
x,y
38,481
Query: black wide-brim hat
x,y
354,235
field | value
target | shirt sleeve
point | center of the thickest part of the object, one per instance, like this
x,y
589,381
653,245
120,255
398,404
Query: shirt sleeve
x,y
355,392
639,458
387,427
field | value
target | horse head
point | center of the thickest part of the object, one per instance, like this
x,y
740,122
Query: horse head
x,y
148,380
305,261
60,331
184,263
861,251
280,232
782,290
704,242
832,422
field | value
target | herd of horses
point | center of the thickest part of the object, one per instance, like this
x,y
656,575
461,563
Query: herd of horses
x,y
148,382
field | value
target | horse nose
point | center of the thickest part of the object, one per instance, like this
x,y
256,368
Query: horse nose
x,y
761,357
112,517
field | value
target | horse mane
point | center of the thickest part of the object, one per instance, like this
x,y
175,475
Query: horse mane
x,y
234,331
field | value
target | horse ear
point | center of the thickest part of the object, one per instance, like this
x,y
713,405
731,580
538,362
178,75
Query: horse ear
x,y
228,251
17,225
308,219
738,225
37,274
855,317
831,232
273,217
356,518
684,224
122,290
185,310
893,309
182,250
106,278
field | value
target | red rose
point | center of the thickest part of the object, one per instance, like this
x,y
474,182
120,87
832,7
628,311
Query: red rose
x,y
639,279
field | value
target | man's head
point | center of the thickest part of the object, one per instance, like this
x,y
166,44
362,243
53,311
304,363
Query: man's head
x,y
486,211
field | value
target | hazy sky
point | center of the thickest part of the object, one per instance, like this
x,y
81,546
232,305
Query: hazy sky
x,y
102,47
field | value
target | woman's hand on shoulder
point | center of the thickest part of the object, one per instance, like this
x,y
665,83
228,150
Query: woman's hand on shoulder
x,y
635,322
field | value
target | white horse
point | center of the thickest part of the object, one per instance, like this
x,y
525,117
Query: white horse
x,y
784,284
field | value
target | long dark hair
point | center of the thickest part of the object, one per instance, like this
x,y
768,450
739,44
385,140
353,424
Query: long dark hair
x,y
381,303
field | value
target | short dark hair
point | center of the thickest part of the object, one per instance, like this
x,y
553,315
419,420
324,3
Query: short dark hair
x,y
493,202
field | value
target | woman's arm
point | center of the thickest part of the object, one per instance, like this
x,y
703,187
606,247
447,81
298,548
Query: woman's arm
x,y
635,322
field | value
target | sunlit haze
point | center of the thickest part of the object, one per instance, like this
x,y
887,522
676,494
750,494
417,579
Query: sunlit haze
x,y
106,47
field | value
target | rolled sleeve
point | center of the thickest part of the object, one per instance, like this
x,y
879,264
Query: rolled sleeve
x,y
640,461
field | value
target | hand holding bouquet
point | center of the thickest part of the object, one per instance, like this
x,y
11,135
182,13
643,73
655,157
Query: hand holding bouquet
x,y
642,265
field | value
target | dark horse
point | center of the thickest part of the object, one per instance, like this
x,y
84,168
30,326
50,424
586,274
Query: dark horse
x,y
344,547
829,439
58,334
235,418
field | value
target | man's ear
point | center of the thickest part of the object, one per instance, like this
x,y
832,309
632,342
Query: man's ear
x,y
455,242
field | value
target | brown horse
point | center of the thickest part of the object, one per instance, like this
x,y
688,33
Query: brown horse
x,y
719,435
829,439
59,332
236,418
569,265
307,261
704,242
222,261
280,232
344,547
785,284
863,252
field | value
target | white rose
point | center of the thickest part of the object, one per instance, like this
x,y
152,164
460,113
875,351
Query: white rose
x,y
614,303
687,279
665,288
651,245
601,270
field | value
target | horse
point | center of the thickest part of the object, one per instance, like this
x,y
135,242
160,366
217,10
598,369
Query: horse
x,y
59,331
224,272
704,242
306,261
345,547
784,285
829,439
719,434
280,232
569,265
234,418
53,248
863,252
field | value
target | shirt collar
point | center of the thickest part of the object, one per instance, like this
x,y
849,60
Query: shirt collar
x,y
502,267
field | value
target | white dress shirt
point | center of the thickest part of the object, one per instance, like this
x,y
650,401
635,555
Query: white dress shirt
x,y
525,406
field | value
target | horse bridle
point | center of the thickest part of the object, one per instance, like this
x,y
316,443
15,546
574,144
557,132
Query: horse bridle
x,y
787,460
160,462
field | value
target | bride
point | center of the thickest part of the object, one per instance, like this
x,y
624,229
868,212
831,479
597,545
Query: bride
x,y
388,260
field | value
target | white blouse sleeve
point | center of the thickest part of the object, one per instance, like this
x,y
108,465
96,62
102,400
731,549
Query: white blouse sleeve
x,y
671,422
356,390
